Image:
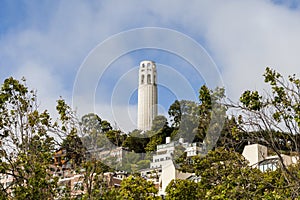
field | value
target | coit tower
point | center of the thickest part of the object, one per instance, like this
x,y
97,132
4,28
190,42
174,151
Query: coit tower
x,y
147,95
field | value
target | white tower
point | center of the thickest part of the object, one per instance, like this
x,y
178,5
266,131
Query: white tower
x,y
147,95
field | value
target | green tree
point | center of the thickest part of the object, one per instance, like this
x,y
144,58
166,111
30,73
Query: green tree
x,y
194,121
231,136
71,135
130,161
137,188
26,148
91,124
94,131
225,174
75,149
116,137
186,115
175,114
212,115
159,122
158,133
136,141
273,119
143,164
181,189
94,181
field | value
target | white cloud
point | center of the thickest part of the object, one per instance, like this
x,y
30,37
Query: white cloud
x,y
243,37
48,86
245,41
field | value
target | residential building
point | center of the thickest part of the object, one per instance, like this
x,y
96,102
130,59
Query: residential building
x,y
166,151
258,157
169,172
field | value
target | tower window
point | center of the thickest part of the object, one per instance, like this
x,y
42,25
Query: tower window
x,y
148,78
148,64
142,79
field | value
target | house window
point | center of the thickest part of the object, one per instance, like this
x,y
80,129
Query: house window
x,y
271,164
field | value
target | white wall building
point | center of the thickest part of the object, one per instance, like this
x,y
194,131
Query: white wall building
x,y
147,95
257,155
165,152
170,172
195,148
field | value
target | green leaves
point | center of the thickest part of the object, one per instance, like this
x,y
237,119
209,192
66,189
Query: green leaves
x,y
273,119
62,109
205,96
175,113
182,189
279,109
224,174
94,180
286,96
252,100
26,147
137,188
75,150
271,76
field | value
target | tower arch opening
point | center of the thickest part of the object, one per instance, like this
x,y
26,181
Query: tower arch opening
x,y
149,79
142,79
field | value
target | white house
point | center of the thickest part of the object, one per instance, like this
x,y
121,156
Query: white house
x,y
170,172
257,155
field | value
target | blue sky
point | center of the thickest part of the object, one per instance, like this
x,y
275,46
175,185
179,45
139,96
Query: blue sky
x,y
48,42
